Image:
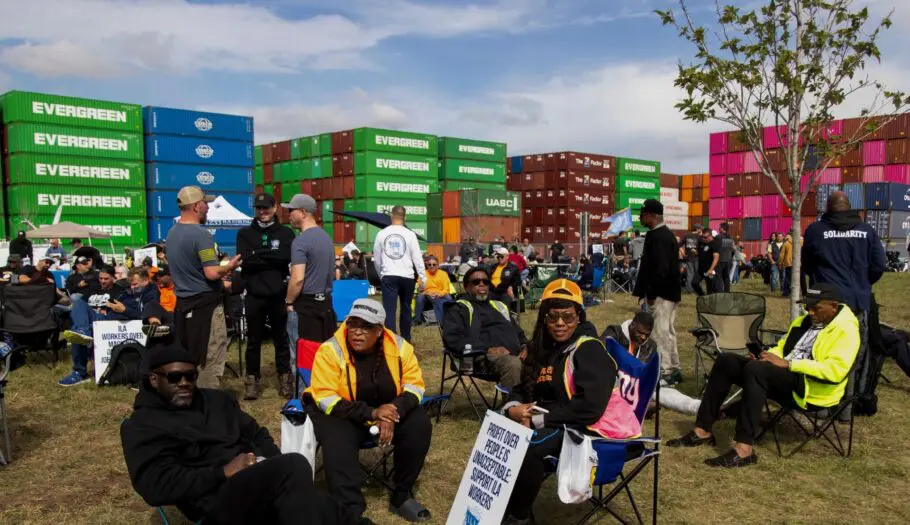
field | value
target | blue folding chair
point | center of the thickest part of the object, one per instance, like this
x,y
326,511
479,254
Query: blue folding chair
x,y
641,380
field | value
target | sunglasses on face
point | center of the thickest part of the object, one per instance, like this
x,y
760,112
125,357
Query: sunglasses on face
x,y
431,265
174,378
477,282
567,317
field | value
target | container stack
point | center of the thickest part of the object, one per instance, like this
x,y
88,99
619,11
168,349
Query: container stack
x,y
466,164
210,150
78,157
288,167
676,212
482,215
693,189
636,181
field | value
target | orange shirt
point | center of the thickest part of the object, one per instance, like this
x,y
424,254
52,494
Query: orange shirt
x,y
438,283
168,299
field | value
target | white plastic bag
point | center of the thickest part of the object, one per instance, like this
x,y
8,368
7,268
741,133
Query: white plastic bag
x,y
300,439
576,469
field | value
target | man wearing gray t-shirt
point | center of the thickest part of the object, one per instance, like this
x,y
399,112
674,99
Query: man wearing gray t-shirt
x,y
193,262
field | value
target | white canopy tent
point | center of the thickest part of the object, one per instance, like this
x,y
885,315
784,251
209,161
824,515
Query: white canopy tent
x,y
222,214
66,230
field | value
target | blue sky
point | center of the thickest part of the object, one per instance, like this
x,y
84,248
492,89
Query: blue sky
x,y
542,75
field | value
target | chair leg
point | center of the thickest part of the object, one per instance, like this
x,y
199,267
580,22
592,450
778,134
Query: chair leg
x,y
162,515
442,382
6,455
631,500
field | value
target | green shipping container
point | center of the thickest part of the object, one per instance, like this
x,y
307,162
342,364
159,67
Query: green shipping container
x,y
633,200
434,207
269,188
472,170
368,186
458,185
300,148
374,139
434,230
365,235
637,184
415,209
258,175
82,142
278,172
315,149
257,155
420,228
23,106
325,168
37,200
327,209
130,231
325,145
29,168
455,148
490,202
395,165
646,168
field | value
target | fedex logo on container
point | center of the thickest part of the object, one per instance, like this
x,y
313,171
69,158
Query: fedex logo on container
x,y
63,110
634,166
402,142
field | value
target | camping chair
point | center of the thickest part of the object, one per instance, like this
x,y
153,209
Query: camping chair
x,y
591,292
620,279
614,455
235,319
726,323
26,313
6,453
545,275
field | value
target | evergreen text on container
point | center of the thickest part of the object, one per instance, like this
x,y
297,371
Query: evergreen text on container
x,y
73,141
64,110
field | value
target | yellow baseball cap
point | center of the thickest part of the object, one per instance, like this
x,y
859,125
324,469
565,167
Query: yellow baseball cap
x,y
563,289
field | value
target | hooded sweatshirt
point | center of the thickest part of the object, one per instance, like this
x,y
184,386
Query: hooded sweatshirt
x,y
266,252
844,251
176,456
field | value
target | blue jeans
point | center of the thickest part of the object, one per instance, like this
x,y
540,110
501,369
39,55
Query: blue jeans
x,y
437,302
734,273
398,290
775,278
82,317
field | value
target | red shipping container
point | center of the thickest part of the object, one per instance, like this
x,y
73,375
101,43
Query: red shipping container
x,y
549,216
527,232
267,154
899,127
733,143
343,165
451,204
342,142
718,187
306,187
752,184
736,228
874,152
718,144
349,230
804,223
750,163
533,163
513,182
581,180
318,188
717,165
540,199
347,187
571,160
539,234
550,198
854,157
898,151
777,160
527,216
734,186
735,163
874,174
268,174
752,206
810,206
527,199
338,205
338,233
276,192
899,173
851,175
281,151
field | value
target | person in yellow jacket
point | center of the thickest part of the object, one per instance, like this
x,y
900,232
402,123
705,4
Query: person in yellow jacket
x,y
786,265
368,376
809,367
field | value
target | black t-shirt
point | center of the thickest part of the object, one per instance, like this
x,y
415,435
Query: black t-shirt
x,y
557,248
692,242
706,253
375,385
621,247
727,247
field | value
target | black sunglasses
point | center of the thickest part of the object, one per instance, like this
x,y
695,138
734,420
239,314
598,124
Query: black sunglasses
x,y
476,282
175,377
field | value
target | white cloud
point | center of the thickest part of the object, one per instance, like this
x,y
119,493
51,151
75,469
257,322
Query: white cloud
x,y
61,58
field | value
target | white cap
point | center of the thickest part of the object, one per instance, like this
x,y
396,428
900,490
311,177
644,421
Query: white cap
x,y
369,310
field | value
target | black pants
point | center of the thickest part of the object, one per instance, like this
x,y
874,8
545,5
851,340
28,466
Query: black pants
x,y
258,310
315,319
786,275
722,277
341,441
278,490
760,381
531,475
696,284
397,290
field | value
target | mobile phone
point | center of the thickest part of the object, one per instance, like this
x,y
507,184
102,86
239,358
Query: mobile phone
x,y
539,410
755,349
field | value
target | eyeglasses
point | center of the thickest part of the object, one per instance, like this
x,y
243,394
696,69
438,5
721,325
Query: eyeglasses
x,y
174,378
567,317
432,265
477,282
361,328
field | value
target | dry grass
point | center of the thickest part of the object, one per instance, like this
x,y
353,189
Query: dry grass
x,y
69,468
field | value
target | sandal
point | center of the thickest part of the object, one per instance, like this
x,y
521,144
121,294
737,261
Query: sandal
x,y
411,510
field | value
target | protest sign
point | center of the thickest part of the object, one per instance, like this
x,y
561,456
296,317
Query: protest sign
x,y
107,335
491,472
140,254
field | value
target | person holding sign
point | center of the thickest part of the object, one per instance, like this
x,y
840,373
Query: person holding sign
x,y
368,376
568,379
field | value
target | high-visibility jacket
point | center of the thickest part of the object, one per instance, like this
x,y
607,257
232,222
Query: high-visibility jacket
x,y
334,376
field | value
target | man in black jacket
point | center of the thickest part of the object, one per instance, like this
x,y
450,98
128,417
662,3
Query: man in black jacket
x,y
658,284
22,246
266,249
194,448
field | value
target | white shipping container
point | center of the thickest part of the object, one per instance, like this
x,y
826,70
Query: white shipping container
x,y
676,208
669,195
676,222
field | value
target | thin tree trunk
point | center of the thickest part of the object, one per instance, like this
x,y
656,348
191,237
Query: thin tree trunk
x,y
795,288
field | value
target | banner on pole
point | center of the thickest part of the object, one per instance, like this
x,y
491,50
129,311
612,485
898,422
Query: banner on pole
x,y
620,221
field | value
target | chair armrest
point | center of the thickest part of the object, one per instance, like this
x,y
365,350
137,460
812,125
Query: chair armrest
x,y
776,335
700,331
642,439
459,354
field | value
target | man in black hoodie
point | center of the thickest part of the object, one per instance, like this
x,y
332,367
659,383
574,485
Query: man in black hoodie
x,y
194,448
266,249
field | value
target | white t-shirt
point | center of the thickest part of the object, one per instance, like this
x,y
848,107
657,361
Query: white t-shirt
x,y
397,253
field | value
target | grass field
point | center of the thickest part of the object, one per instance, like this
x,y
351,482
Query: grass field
x,y
68,466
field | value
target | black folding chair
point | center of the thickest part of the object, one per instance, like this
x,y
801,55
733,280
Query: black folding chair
x,y
27,314
235,319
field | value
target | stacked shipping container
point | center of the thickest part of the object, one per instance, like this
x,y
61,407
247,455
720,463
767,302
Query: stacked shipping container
x,y
636,181
676,212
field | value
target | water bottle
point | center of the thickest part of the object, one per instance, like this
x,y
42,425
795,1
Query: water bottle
x,y
467,361
374,434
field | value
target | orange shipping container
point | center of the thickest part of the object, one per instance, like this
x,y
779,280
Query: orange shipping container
x,y
705,180
685,195
451,204
688,182
436,250
696,209
451,229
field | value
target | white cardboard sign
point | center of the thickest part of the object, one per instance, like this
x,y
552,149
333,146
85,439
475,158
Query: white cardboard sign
x,y
140,254
107,335
490,475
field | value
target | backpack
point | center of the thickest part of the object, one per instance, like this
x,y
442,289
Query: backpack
x,y
124,366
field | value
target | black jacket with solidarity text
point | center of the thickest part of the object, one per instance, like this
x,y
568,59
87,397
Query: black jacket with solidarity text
x,y
658,274
176,456
266,256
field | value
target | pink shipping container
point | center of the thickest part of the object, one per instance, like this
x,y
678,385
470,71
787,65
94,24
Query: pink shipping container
x,y
717,164
771,136
734,207
767,227
750,165
804,180
770,206
752,206
718,143
835,129
714,224
717,209
899,173
830,176
874,152
717,187
778,225
735,163
874,174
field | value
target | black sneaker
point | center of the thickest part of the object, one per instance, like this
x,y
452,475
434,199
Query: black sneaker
x,y
692,440
732,460
671,379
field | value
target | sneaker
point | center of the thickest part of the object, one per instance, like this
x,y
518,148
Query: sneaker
x,y
732,460
153,331
671,379
73,379
692,440
253,388
77,338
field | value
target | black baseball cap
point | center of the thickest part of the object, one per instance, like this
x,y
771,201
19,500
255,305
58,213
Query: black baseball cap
x,y
820,292
652,206
264,200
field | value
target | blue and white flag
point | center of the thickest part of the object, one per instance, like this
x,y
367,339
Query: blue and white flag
x,y
620,221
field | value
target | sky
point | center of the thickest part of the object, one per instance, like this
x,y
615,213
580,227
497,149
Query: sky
x,y
541,75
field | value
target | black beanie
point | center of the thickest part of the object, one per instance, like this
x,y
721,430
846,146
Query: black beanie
x,y
160,356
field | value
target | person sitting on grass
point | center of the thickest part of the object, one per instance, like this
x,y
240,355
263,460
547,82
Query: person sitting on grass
x,y
435,290
196,449
365,376
809,367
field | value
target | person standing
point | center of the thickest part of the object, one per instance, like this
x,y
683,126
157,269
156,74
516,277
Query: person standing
x,y
658,285
724,266
527,249
556,251
309,293
636,246
396,255
707,255
774,259
22,247
199,313
468,250
786,265
691,247
265,246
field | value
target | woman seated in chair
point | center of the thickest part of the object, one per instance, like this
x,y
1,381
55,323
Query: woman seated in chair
x,y
367,376
569,373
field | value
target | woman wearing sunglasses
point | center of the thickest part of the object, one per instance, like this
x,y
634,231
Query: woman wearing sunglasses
x,y
570,375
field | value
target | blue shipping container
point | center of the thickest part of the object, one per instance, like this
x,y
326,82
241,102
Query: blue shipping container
x,y
168,121
822,192
158,229
752,230
518,164
856,192
197,150
167,176
887,196
163,203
